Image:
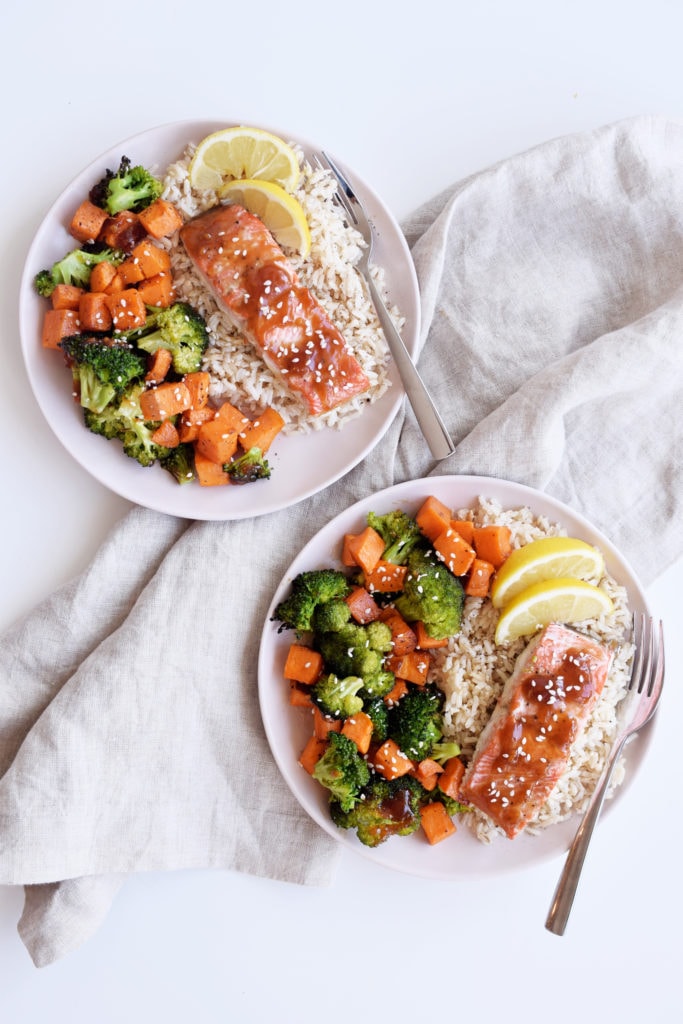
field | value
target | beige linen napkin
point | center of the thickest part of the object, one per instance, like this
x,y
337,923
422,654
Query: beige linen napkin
x,y
130,737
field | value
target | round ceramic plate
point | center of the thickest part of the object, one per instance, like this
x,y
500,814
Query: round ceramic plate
x,y
302,464
461,856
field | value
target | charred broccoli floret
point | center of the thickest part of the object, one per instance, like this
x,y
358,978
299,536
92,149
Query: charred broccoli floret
x,y
309,589
399,532
415,721
386,808
127,188
337,696
179,462
358,650
101,370
123,420
247,468
74,268
342,771
178,328
431,594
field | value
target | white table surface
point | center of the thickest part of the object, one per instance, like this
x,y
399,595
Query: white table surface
x,y
415,97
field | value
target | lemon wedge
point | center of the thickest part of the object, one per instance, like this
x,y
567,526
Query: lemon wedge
x,y
281,212
545,559
562,600
243,152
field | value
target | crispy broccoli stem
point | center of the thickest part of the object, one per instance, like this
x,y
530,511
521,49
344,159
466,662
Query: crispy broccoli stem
x,y
74,268
399,532
127,188
342,771
431,594
309,589
247,468
178,328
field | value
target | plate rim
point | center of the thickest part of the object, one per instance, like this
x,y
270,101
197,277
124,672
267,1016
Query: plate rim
x,y
135,484
394,854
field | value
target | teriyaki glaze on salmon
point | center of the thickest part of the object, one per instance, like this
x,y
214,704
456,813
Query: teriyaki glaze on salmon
x,y
544,706
257,287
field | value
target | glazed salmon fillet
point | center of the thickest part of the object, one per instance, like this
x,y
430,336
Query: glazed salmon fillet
x,y
258,289
524,748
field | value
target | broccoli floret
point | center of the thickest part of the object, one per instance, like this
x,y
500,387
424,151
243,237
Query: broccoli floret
x,y
179,462
74,268
102,370
342,770
415,721
399,532
386,808
452,806
248,467
124,421
178,328
337,696
128,188
444,750
358,650
376,710
431,594
331,616
309,589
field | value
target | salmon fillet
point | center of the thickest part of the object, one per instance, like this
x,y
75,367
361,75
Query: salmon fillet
x,y
258,289
525,746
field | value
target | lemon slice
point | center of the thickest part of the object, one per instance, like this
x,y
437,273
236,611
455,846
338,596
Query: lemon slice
x,y
243,153
545,559
282,214
562,600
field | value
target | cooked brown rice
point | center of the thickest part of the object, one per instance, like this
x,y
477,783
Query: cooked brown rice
x,y
238,373
472,671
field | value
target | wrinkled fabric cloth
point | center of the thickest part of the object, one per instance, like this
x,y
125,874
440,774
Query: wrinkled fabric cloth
x,y
130,735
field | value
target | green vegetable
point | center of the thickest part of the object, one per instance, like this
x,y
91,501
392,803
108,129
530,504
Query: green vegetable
x,y
123,420
309,589
248,467
358,650
338,696
101,370
415,721
178,328
342,771
74,268
431,594
128,188
386,808
399,532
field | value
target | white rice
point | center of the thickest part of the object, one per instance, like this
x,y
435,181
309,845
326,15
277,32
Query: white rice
x,y
238,374
472,672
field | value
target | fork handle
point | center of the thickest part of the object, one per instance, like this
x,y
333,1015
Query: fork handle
x,y
565,891
426,413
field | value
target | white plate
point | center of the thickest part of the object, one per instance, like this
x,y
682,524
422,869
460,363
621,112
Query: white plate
x,y
461,856
302,464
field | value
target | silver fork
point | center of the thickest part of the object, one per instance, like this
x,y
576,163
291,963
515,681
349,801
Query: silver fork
x,y
428,418
647,678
